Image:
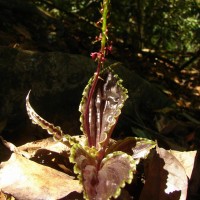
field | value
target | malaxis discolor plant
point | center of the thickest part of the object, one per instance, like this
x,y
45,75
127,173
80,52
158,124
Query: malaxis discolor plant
x,y
103,168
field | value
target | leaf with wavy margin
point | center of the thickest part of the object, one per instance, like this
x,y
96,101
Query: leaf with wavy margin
x,y
50,128
137,147
104,109
105,179
36,119
86,167
142,148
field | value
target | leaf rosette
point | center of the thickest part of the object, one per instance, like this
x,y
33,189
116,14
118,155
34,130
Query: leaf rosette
x,y
101,174
104,180
102,169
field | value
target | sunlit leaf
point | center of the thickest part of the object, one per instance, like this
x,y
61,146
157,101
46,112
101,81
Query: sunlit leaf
x,y
179,166
30,149
104,108
137,147
86,167
115,170
102,180
155,180
142,148
25,179
186,158
36,119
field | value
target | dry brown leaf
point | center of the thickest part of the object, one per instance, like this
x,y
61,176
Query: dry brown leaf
x,y
186,159
155,182
25,179
2,196
167,174
179,166
30,149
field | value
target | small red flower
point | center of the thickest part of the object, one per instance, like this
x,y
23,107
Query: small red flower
x,y
93,55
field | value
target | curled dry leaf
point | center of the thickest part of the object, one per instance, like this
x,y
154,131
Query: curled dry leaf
x,y
179,166
167,175
25,179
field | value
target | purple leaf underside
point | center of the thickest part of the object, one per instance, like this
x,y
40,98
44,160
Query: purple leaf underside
x,y
105,180
136,147
104,108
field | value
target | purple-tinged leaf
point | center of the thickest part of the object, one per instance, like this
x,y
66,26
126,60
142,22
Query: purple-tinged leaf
x,y
104,108
36,119
142,148
124,145
102,180
136,147
115,170
86,167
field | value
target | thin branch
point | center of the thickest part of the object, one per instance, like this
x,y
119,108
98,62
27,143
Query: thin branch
x,y
194,58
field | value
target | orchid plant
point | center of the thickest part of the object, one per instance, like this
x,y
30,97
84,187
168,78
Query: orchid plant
x,y
103,168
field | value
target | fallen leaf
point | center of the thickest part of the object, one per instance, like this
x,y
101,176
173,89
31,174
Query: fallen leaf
x,y
25,179
186,158
30,149
179,166
2,196
155,180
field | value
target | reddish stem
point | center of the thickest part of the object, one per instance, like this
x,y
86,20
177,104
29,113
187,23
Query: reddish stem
x,y
101,59
86,114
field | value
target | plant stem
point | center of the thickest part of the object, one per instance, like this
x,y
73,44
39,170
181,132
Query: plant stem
x,y
99,66
104,26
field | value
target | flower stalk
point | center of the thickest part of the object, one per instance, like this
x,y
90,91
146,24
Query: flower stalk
x,y
104,26
100,56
